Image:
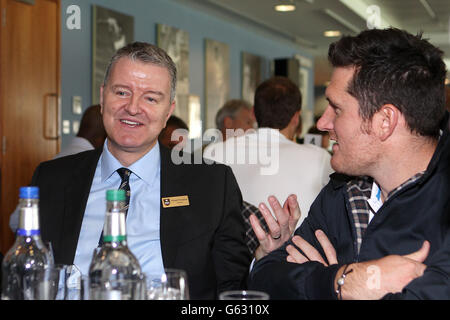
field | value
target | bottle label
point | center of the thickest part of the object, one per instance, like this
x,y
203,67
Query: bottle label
x,y
28,233
110,238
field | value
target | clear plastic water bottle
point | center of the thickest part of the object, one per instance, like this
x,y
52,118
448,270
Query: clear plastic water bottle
x,y
115,273
28,255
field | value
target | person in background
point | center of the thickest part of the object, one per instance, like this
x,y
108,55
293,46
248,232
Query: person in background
x,y
380,228
298,132
267,163
234,115
174,123
91,134
202,233
325,142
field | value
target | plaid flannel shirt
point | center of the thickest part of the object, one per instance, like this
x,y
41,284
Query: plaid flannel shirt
x,y
250,236
359,191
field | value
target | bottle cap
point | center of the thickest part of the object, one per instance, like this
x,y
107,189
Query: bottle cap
x,y
115,195
29,192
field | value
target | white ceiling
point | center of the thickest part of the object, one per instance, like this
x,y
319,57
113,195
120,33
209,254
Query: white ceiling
x,y
308,22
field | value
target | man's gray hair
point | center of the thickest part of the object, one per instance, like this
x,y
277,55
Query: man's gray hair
x,y
146,53
230,109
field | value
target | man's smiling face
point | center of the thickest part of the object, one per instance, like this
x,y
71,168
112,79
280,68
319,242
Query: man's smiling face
x,y
356,149
135,105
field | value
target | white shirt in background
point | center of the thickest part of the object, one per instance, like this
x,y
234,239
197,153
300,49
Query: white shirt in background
x,y
266,163
76,145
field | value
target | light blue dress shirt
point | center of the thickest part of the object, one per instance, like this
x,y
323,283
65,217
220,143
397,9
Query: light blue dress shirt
x,y
143,213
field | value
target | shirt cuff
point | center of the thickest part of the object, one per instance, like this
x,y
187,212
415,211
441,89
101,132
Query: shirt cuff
x,y
319,284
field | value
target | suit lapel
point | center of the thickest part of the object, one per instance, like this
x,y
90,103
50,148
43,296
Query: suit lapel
x,y
76,195
170,224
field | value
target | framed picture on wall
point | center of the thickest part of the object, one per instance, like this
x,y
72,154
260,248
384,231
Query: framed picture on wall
x,y
217,79
112,30
303,86
191,115
251,75
195,120
176,43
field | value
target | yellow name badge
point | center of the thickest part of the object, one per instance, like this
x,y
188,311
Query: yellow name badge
x,y
171,202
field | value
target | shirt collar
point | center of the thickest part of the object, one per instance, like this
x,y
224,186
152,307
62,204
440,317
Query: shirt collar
x,y
272,132
375,201
145,168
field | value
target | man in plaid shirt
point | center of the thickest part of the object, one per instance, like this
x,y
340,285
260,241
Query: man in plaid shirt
x,y
380,228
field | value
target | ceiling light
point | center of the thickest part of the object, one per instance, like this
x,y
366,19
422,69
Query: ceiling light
x,y
332,33
285,6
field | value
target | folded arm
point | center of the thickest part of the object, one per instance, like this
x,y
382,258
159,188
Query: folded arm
x,y
363,280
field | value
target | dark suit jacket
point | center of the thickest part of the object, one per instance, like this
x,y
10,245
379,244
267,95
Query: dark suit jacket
x,y
206,238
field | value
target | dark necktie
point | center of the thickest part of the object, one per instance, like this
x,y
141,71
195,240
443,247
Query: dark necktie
x,y
124,174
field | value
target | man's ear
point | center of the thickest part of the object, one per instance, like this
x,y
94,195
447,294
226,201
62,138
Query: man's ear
x,y
171,109
228,123
386,120
296,118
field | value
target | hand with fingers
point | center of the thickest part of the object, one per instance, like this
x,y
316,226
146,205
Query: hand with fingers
x,y
280,229
309,252
375,278
370,279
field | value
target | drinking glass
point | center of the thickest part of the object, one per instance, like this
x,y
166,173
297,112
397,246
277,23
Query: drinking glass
x,y
116,289
171,285
84,288
49,246
58,282
71,283
42,284
243,295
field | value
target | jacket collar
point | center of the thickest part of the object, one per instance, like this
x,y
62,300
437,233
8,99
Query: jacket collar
x,y
442,147
76,194
172,184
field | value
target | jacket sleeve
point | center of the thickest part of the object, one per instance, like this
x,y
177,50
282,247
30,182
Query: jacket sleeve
x,y
434,284
231,256
285,280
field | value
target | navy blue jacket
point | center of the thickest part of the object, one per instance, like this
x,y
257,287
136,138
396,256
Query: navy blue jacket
x,y
418,212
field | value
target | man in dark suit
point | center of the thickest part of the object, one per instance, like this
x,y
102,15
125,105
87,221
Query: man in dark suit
x,y
184,216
